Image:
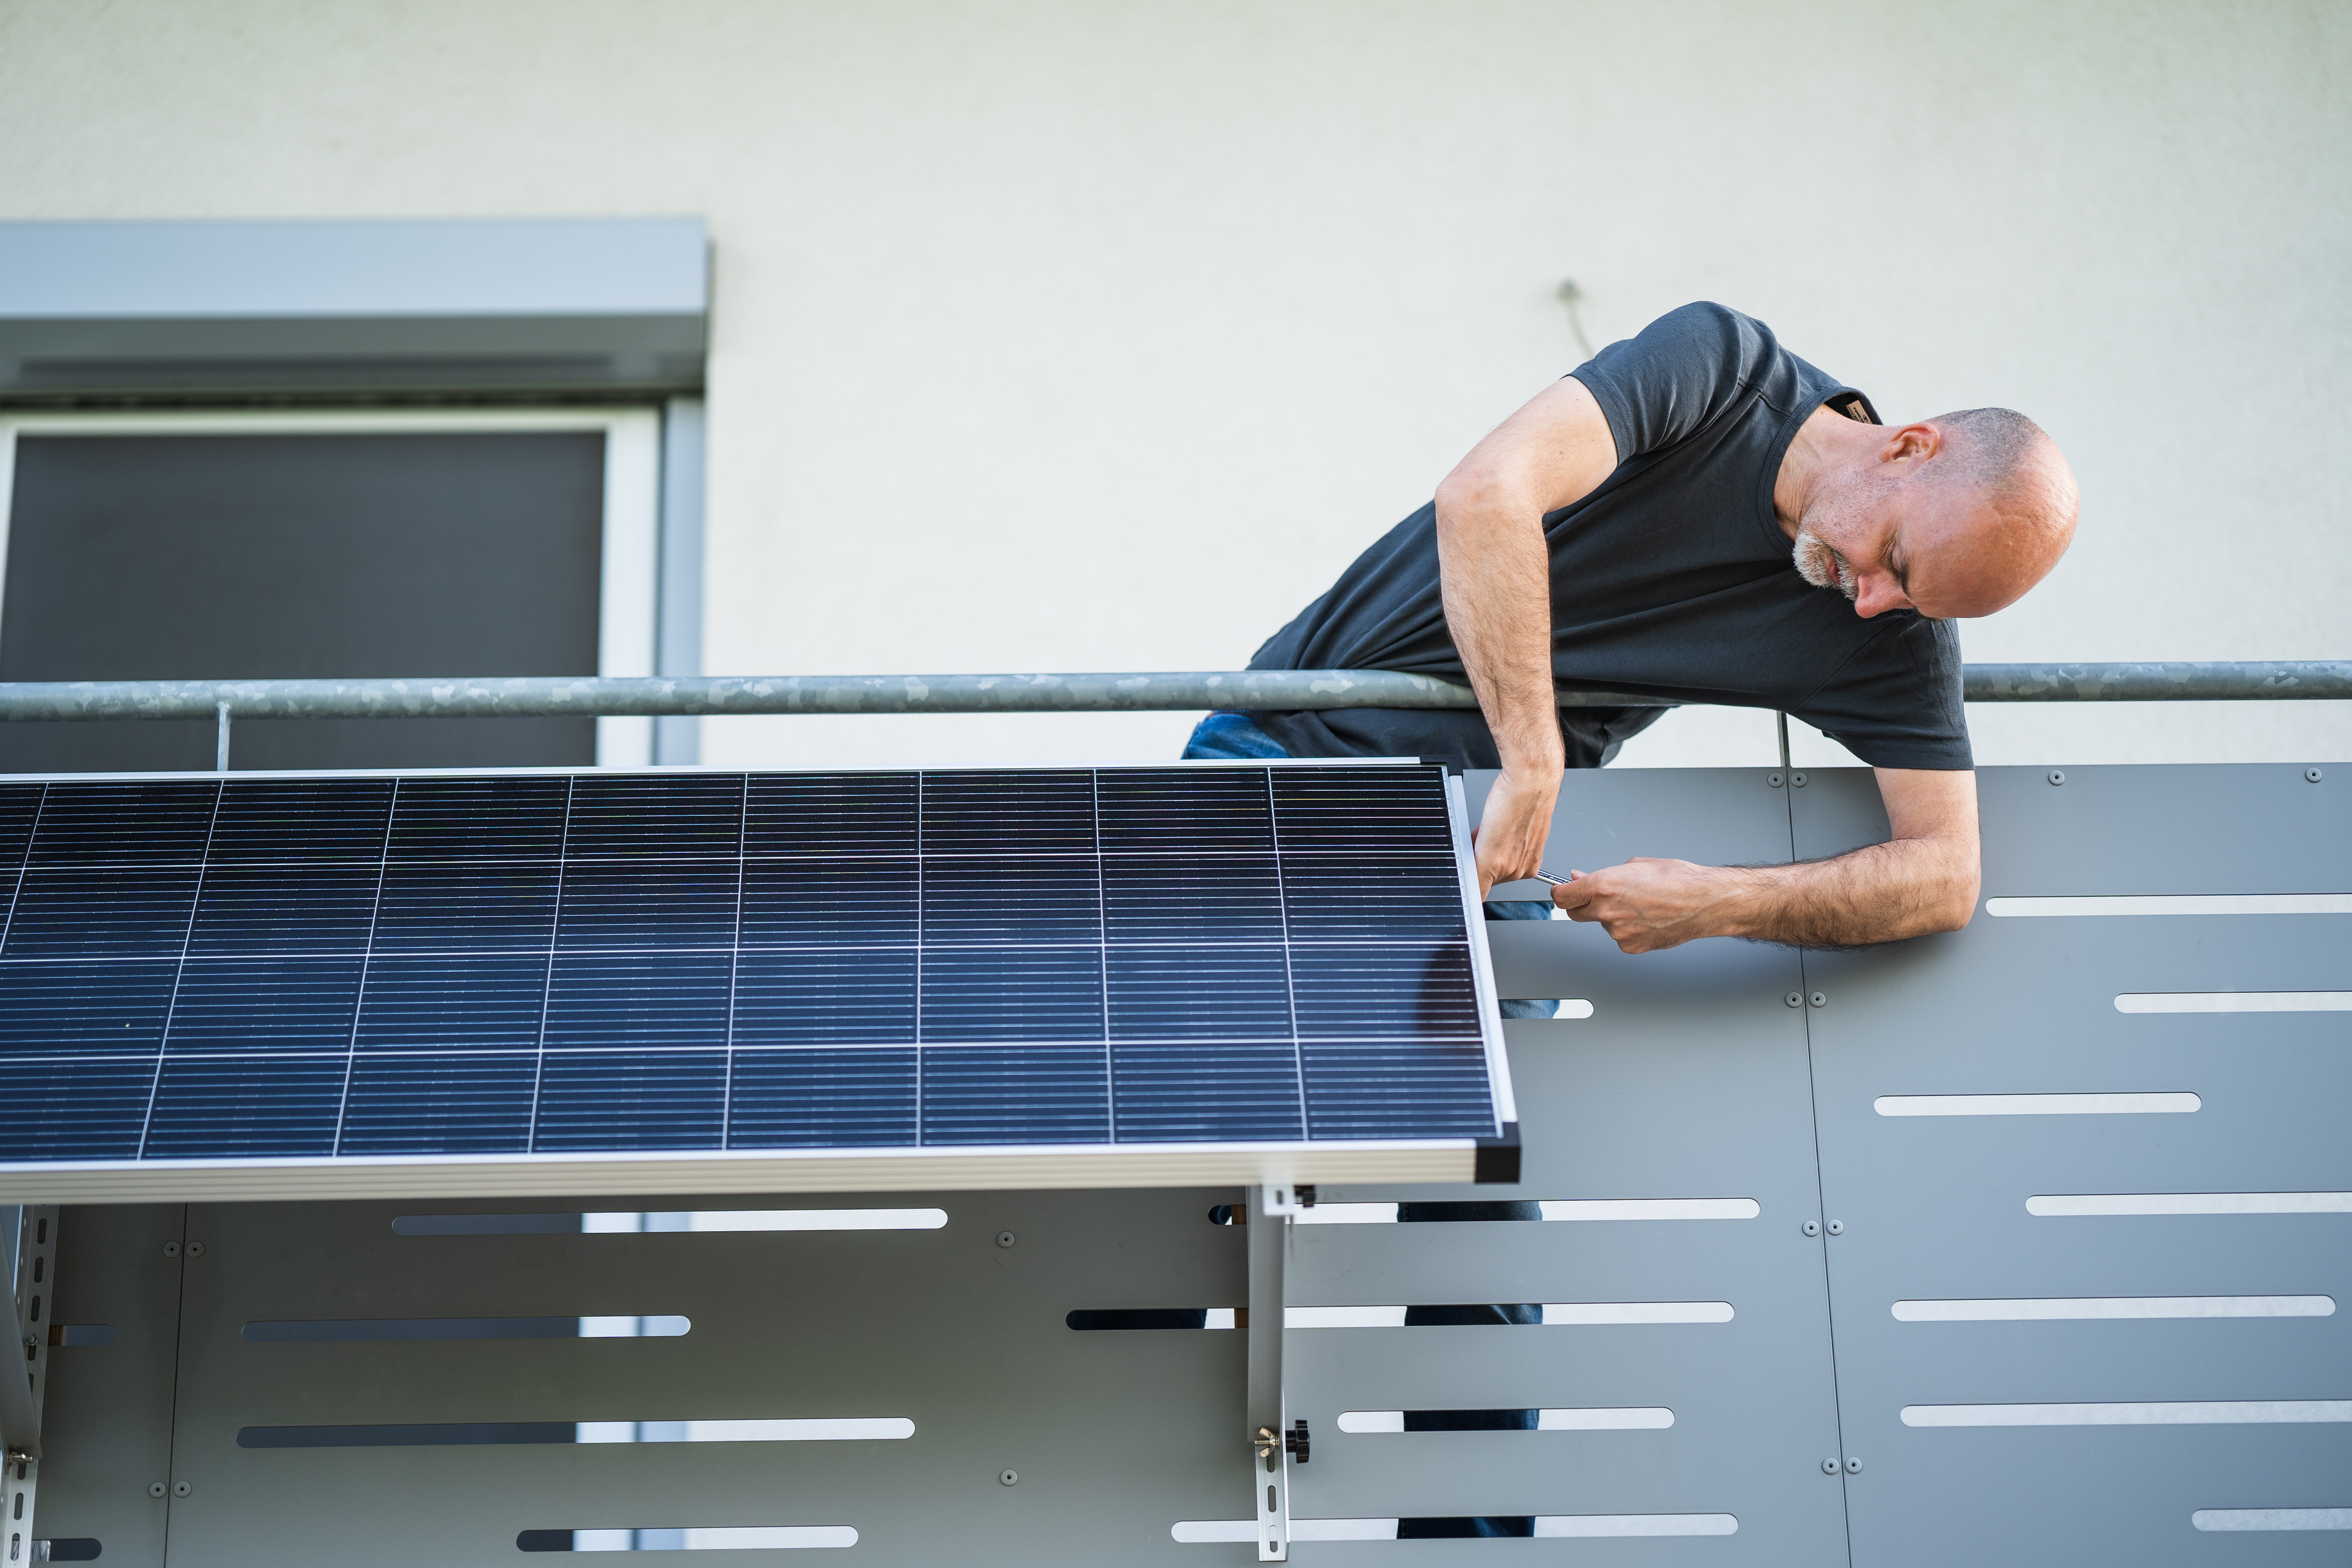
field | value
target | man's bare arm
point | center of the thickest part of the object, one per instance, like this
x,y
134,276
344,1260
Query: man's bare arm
x,y
1496,573
1924,879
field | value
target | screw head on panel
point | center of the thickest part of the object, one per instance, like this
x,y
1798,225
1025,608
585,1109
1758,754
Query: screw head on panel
x,y
1795,999
2311,775
171,1249
1829,1466
1837,1227
1008,1477
2057,775
1812,1227
196,1249
1853,1466
1798,780
1819,998
1005,1239
183,1488
155,1489
1772,781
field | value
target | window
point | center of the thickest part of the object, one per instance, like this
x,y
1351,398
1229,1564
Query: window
x,y
328,544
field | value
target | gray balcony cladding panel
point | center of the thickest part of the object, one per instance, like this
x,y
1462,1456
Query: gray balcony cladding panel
x,y
336,967
166,308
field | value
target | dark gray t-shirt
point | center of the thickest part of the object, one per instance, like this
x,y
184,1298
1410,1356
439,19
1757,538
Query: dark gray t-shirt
x,y
1671,579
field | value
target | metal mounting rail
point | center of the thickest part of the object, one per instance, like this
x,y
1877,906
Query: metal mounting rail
x,y
1265,689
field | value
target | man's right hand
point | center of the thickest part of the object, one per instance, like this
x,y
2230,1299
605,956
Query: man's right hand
x,y
1511,834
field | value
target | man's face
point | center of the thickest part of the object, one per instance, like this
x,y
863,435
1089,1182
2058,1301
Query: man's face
x,y
1852,537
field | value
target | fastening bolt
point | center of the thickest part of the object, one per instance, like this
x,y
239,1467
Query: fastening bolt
x,y
1812,1227
1008,1477
2057,775
1772,780
1795,999
155,1489
1798,780
2311,775
1005,1239
183,1488
1837,1227
1853,1466
1821,998
171,1249
1829,1466
196,1249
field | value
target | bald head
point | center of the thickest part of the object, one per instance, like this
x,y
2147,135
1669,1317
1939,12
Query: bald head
x,y
2002,509
1957,515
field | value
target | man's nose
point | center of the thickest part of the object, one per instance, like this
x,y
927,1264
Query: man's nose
x,y
1876,593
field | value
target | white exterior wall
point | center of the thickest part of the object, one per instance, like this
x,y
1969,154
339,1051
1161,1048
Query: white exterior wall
x,y
1080,335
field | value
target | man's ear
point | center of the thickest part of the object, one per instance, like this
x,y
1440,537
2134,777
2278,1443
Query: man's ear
x,y
1912,443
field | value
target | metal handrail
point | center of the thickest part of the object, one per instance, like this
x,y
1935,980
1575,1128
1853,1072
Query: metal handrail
x,y
1275,691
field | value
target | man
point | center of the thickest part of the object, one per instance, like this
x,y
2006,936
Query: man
x,y
1698,513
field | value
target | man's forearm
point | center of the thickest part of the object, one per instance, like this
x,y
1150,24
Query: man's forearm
x,y
1908,886
1496,579
1884,892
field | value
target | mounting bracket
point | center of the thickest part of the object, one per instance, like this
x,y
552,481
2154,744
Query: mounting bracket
x,y
24,1373
1269,1244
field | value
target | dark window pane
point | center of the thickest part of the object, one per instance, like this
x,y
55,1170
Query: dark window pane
x,y
1012,900
83,1008
1012,994
302,819
469,1002
1403,988
1210,1091
1198,992
1186,811
1363,811
1008,813
670,999
825,996
631,1100
647,904
217,1107
474,1104
998,1094
295,554
277,1004
821,1098
790,903
277,908
440,819
831,813
1223,898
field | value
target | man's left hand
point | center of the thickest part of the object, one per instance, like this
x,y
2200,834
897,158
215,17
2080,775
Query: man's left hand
x,y
1647,904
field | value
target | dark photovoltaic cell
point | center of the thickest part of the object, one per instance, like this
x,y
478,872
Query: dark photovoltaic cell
x,y
314,967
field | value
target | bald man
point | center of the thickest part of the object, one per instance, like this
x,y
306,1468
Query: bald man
x,y
1696,513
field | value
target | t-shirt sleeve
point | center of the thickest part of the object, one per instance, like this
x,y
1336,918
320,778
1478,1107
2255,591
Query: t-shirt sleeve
x,y
1896,703
1678,373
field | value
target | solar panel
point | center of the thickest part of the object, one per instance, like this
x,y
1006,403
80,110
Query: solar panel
x,y
596,981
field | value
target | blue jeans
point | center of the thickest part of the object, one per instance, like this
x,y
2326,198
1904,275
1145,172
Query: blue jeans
x,y
1232,737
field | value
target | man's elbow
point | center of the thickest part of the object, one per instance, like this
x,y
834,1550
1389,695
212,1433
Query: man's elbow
x,y
1474,488
1955,902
